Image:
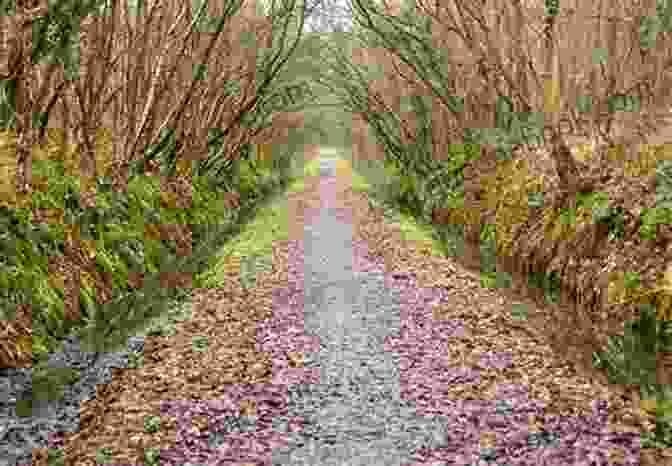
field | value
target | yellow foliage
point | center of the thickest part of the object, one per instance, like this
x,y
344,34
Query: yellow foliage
x,y
551,96
648,406
618,293
506,193
57,281
169,199
54,216
53,149
641,164
88,247
87,280
616,289
343,168
265,152
71,232
24,345
562,224
152,232
232,265
664,305
103,149
583,152
424,247
183,167
644,163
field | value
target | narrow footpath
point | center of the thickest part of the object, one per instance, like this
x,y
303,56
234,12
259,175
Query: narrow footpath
x,y
355,347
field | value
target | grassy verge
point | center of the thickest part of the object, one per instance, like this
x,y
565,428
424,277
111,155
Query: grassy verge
x,y
244,252
255,241
370,179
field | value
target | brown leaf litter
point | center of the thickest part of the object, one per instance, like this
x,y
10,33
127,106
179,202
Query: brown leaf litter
x,y
228,316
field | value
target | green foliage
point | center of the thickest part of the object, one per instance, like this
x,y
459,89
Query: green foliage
x,y
285,97
549,283
535,200
55,457
631,358
662,212
46,387
551,7
623,103
649,29
152,456
490,277
123,246
249,266
8,103
25,251
104,455
584,103
56,34
200,343
651,218
598,202
512,129
664,14
519,311
116,225
661,437
246,182
664,184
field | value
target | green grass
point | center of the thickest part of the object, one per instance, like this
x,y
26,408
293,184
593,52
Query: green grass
x,y
367,183
257,238
270,225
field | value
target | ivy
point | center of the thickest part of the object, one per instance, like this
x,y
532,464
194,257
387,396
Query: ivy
x,y
551,7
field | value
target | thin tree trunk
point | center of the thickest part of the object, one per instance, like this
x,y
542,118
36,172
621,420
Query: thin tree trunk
x,y
24,111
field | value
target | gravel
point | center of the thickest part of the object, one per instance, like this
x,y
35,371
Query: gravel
x,y
355,414
19,436
356,400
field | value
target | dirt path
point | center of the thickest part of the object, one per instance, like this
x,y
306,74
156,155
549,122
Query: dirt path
x,y
459,343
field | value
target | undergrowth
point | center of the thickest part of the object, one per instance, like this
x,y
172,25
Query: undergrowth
x,y
631,357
